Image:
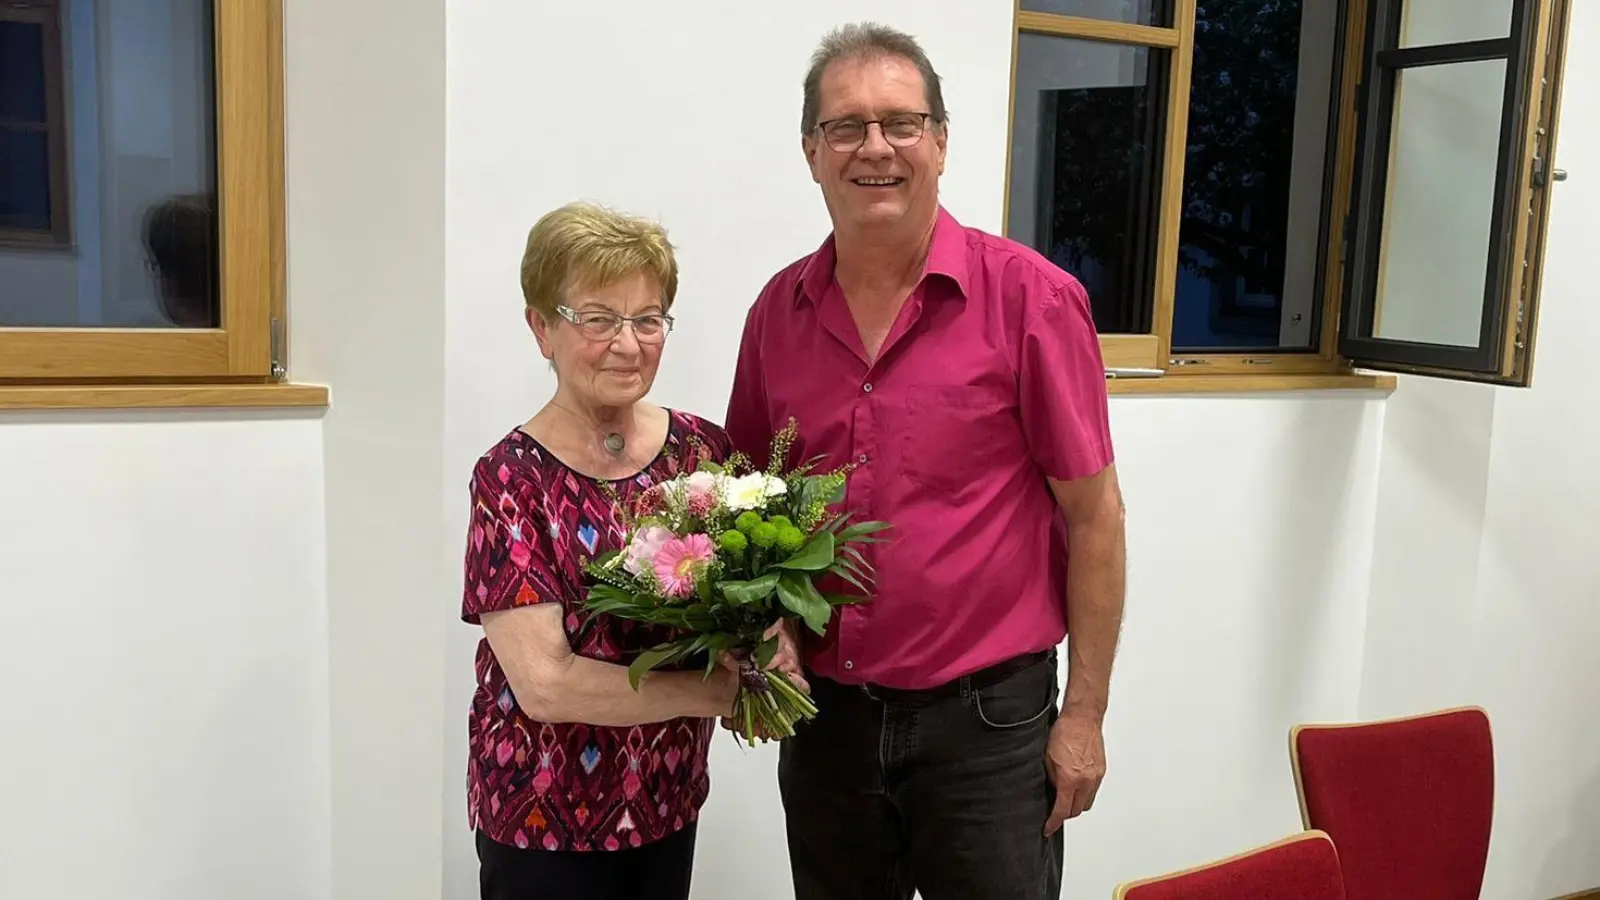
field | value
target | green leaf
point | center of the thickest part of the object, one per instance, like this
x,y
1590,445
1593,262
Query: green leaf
x,y
815,556
603,592
651,658
752,591
765,651
800,597
840,570
706,465
859,531
843,599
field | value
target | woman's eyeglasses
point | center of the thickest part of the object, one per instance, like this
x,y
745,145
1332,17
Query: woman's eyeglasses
x,y
596,325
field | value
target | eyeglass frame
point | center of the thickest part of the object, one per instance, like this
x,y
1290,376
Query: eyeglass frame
x,y
572,315
924,118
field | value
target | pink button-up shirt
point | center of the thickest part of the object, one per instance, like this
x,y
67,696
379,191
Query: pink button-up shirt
x,y
990,381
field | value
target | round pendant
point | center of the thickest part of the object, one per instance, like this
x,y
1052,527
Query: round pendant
x,y
614,442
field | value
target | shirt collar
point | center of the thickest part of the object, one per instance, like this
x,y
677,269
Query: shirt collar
x,y
947,256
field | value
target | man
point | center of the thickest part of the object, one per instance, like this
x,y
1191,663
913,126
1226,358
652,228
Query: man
x,y
960,374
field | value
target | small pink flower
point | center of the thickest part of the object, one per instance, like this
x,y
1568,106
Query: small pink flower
x,y
642,550
701,504
679,561
650,502
701,493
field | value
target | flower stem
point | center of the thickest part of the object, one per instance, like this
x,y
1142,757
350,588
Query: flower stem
x,y
771,711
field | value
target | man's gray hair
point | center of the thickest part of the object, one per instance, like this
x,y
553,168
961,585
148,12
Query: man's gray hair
x,y
866,40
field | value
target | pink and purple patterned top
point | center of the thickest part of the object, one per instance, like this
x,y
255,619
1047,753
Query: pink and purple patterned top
x,y
535,523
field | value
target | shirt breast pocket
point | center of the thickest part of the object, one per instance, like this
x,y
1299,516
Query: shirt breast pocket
x,y
952,432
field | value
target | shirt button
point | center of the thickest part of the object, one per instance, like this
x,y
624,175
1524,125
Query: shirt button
x,y
867,387
849,664
862,458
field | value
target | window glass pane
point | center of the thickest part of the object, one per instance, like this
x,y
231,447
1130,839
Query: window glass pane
x,y
24,179
1251,234
1133,12
1439,202
21,72
1424,23
1086,161
137,153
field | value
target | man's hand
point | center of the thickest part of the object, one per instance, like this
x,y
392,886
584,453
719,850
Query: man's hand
x,y
1075,761
785,660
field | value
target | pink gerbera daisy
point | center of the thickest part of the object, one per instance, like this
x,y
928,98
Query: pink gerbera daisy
x,y
679,560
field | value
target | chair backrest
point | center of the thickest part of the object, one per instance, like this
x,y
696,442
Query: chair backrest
x,y
1409,802
1302,867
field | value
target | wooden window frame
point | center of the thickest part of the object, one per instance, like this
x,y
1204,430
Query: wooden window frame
x,y
242,362
1326,365
46,14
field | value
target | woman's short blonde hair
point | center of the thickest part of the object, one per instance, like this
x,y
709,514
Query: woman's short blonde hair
x,y
586,246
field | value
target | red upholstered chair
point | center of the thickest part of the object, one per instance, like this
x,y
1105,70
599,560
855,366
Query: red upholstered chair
x,y
1409,802
1303,867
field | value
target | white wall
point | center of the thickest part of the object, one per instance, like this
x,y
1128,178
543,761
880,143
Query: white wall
x,y
1251,518
1486,581
218,677
163,672
365,135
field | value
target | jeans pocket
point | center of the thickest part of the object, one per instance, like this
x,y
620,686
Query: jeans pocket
x,y
1025,698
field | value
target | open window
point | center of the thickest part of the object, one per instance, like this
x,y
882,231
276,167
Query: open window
x,y
1250,187
1455,167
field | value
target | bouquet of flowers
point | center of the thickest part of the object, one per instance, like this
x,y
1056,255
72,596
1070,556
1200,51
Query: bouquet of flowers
x,y
723,553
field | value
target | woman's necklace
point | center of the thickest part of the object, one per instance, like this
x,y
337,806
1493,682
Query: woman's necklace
x,y
613,441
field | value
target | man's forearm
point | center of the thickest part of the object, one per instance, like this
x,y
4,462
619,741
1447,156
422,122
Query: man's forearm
x,y
1096,581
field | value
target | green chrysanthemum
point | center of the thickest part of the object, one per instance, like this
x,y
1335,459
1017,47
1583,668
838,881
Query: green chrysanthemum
x,y
781,522
790,538
747,521
733,542
764,535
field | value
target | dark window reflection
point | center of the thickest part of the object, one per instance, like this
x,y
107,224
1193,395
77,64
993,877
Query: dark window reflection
x,y
1242,246
1086,167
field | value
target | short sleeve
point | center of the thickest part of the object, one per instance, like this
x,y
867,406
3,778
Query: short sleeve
x,y
508,559
1062,383
748,425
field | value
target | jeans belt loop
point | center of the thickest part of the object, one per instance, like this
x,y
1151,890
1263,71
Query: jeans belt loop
x,y
966,686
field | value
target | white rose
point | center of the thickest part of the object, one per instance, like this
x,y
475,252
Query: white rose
x,y
753,491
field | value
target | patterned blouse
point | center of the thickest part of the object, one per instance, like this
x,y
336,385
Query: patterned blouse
x,y
535,522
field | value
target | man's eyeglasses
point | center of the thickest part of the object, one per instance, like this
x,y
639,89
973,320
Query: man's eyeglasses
x,y
900,130
650,328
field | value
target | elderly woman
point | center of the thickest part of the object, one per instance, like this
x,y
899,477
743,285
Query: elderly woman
x,y
579,785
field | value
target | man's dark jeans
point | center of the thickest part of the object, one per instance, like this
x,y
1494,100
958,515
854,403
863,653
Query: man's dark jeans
x,y
945,793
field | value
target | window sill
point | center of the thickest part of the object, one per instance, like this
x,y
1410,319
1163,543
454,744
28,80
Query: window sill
x,y
1251,384
163,396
